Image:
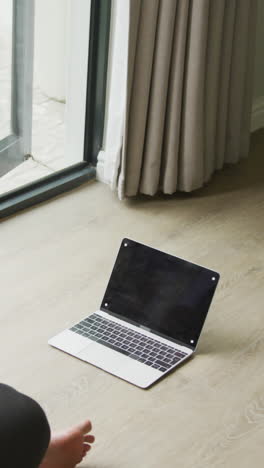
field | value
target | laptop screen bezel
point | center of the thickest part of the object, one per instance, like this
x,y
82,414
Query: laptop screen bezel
x,y
106,306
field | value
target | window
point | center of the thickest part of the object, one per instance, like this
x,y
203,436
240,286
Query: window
x,y
80,122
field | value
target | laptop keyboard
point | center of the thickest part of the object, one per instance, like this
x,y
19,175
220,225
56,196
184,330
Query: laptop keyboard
x,y
137,346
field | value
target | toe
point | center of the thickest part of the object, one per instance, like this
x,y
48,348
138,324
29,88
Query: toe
x,y
89,438
85,427
86,449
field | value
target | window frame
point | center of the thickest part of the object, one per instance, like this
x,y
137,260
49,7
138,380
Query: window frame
x,y
73,176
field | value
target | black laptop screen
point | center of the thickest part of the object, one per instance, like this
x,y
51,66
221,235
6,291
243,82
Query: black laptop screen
x,y
164,293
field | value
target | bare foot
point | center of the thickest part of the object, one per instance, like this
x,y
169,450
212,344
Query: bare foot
x,y
67,449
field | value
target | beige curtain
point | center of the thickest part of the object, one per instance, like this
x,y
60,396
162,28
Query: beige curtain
x,y
190,67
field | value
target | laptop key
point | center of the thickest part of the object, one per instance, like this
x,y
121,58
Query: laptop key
x,y
160,356
148,347
148,363
151,358
104,337
134,356
161,363
175,360
112,346
179,354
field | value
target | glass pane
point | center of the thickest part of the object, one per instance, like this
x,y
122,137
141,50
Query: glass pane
x,y
56,78
6,19
60,64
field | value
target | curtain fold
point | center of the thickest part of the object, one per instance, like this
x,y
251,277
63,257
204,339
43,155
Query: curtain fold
x,y
189,87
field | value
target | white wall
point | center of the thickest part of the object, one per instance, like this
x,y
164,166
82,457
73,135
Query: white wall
x,y
51,47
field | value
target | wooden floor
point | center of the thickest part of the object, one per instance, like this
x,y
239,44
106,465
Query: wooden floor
x,y
55,262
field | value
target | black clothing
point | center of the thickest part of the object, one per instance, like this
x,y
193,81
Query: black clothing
x,y
24,430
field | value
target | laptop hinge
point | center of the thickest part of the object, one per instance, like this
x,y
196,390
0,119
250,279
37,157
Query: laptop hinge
x,y
145,328
136,324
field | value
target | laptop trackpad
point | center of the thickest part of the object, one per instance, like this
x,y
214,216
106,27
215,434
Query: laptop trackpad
x,y
119,365
70,342
103,356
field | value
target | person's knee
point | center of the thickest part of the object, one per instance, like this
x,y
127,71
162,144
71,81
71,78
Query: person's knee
x,y
15,407
34,420
23,425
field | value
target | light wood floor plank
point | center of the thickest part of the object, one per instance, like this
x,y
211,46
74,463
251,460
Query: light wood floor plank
x,y
55,262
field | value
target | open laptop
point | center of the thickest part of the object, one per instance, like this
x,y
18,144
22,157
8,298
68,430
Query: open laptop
x,y
150,319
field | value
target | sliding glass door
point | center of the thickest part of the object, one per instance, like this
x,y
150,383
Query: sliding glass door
x,y
54,119
16,75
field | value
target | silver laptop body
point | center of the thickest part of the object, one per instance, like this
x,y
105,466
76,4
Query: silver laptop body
x,y
150,319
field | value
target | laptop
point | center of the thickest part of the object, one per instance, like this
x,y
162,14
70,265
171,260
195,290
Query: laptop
x,y
150,319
